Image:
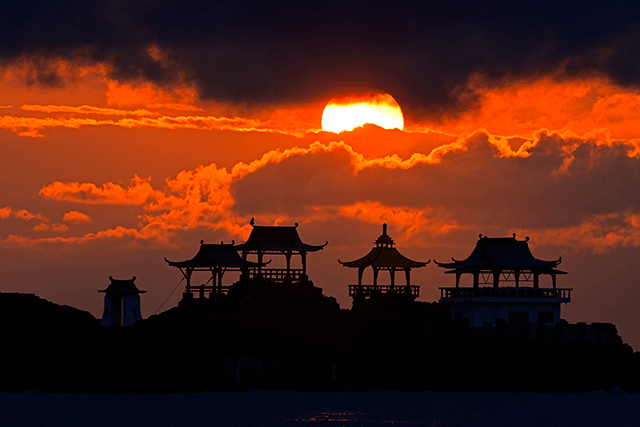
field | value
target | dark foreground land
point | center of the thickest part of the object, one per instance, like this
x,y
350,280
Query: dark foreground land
x,y
286,337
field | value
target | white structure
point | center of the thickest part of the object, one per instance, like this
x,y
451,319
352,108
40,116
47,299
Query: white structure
x,y
496,260
121,303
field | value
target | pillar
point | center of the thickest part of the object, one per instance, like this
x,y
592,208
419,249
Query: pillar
x,y
476,279
553,280
392,273
220,272
516,275
360,273
536,280
458,279
188,276
375,276
496,278
287,255
303,255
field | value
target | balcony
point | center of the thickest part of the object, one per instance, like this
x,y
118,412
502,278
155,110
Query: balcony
x,y
368,290
505,294
277,274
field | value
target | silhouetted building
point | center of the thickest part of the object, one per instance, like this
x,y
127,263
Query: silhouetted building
x,y
384,256
277,240
504,259
121,303
217,259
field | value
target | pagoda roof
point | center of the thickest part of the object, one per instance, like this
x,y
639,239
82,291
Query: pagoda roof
x,y
122,287
213,255
277,239
502,253
384,255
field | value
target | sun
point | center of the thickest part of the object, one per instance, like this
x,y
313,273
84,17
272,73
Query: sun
x,y
345,114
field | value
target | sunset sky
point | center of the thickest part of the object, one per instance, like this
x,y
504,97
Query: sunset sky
x,y
130,131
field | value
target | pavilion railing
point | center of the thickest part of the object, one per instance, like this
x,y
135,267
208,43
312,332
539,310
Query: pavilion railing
x,y
277,274
368,290
506,292
203,291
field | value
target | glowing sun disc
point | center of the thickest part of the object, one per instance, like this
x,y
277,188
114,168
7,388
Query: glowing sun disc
x,y
347,114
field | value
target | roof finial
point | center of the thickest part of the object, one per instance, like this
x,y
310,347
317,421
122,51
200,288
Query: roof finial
x,y
202,242
384,229
514,235
111,278
526,239
296,224
480,236
133,279
253,221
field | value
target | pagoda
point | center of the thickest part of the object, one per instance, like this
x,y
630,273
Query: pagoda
x,y
504,260
217,259
384,256
121,303
277,240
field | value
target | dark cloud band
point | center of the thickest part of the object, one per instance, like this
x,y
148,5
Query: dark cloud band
x,y
258,52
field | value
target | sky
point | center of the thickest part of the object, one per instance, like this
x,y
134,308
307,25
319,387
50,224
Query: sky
x,y
131,131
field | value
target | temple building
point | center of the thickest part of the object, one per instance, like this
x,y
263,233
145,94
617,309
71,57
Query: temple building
x,y
216,259
121,303
219,259
277,240
504,260
384,256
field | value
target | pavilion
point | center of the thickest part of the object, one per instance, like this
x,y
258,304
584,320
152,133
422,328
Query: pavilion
x,y
503,260
384,256
277,240
121,303
216,259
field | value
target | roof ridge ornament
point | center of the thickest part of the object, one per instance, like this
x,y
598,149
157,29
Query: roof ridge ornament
x,y
252,222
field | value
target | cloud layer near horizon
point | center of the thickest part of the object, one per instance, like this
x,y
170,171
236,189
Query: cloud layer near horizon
x,y
564,190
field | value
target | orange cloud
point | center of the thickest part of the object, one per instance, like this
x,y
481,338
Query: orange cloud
x,y
597,233
117,233
410,220
8,212
137,193
177,107
30,126
76,217
53,227
522,108
86,109
144,93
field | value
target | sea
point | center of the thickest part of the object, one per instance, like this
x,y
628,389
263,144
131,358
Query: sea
x,y
292,408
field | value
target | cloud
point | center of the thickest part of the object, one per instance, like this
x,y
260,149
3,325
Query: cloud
x,y
137,193
424,55
56,228
409,220
86,109
31,126
478,182
596,233
76,217
23,214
